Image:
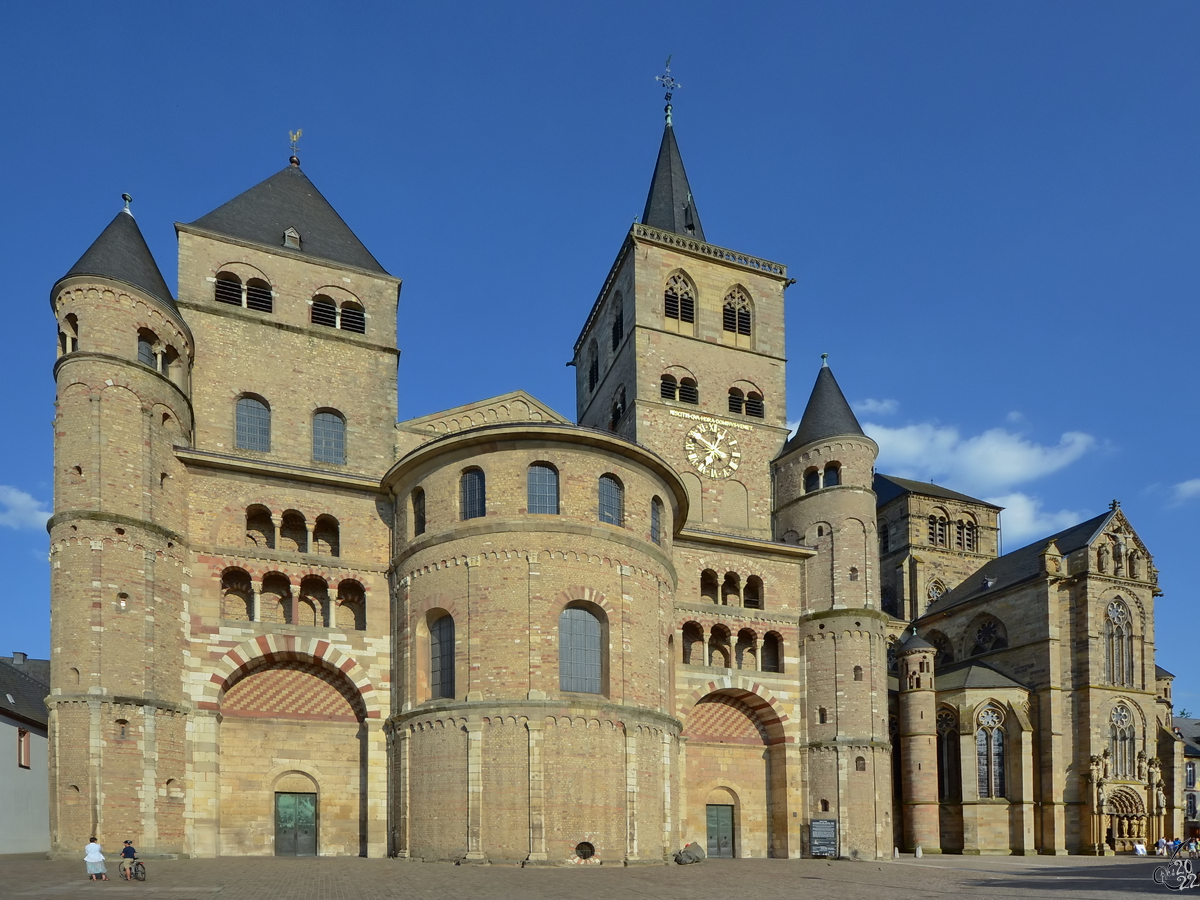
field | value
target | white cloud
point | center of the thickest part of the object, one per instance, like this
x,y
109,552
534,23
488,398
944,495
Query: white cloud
x,y
871,407
20,510
1024,519
996,460
1187,490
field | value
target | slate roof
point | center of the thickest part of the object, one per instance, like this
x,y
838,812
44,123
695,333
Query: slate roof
x,y
1190,730
1160,672
28,695
1021,565
967,674
915,642
826,415
889,487
120,253
670,205
289,200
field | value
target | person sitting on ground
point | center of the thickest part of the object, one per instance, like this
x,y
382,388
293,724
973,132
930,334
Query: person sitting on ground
x,y
93,855
128,855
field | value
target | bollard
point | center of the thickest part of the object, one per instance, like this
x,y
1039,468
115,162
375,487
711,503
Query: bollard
x,y
918,854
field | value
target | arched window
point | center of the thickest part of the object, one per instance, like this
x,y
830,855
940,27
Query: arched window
x,y
542,489
618,326
964,535
885,539
324,311
693,644
353,318
472,494
731,590
237,596
352,605
822,716
854,573
718,648
752,597
1190,777
418,511
833,475
737,401
668,387
812,481
679,300
441,658
293,532
858,673
145,349
612,500
1118,644
327,536
689,391
593,368
258,295
990,752
656,514
122,728
1122,742
937,530
1191,806
253,425
755,406
941,643
860,764
580,662
275,599
312,607
708,586
934,589
735,315
948,760
824,806
260,530
618,409
329,438
771,655
745,651
69,336
228,289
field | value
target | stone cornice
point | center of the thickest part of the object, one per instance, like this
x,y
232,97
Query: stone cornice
x,y
260,469
733,543
236,312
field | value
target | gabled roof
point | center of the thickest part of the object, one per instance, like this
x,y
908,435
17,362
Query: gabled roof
x,y
968,674
670,205
889,487
120,254
1189,729
826,415
28,695
1021,565
286,200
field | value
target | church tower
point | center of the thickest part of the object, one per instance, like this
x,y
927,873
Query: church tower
x,y
683,352
824,500
117,547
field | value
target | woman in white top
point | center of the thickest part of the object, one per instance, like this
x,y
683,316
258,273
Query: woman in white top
x,y
93,855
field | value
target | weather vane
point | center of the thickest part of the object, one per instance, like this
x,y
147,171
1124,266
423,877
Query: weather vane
x,y
295,138
670,84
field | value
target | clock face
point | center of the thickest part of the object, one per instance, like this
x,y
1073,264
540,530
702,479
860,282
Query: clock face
x,y
713,451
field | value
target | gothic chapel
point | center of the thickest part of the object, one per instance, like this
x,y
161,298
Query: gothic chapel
x,y
284,624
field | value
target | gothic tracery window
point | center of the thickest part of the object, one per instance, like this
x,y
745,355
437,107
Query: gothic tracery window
x,y
679,300
990,635
1118,644
1122,742
937,530
990,752
948,759
934,590
736,315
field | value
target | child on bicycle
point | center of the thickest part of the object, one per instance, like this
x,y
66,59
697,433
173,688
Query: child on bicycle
x,y
128,855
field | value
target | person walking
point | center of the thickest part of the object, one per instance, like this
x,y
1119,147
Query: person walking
x,y
93,855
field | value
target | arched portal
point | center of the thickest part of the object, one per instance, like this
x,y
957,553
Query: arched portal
x,y
293,758
1126,819
735,775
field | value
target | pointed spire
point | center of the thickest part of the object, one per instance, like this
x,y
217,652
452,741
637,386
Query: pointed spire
x,y
670,205
120,254
264,213
827,414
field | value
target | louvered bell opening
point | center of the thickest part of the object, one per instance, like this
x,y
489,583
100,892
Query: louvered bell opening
x,y
754,406
258,296
729,318
743,322
324,312
687,309
667,388
228,290
354,319
736,401
671,304
688,391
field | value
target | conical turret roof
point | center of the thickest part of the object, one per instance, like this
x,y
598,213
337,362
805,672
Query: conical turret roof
x,y
670,205
286,200
827,414
120,253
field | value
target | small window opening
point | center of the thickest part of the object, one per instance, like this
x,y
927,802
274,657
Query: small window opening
x,y
668,388
259,296
858,673
755,406
354,318
228,289
689,391
822,716
737,401
324,311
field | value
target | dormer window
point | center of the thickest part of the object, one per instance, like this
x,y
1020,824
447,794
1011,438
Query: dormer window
x,y
291,238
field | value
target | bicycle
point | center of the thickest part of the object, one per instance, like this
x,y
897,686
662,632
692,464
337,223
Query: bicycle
x,y
139,871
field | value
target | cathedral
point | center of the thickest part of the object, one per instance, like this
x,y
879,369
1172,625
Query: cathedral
x,y
285,624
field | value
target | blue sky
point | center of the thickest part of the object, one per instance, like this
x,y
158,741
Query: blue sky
x,y
990,211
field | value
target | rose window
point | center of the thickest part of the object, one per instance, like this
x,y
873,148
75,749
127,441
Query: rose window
x,y
1121,717
1117,613
990,717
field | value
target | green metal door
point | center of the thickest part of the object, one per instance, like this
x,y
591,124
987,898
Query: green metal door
x,y
295,824
720,831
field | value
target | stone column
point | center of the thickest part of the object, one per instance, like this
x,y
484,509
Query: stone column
x,y
537,792
375,796
256,595
631,792
475,790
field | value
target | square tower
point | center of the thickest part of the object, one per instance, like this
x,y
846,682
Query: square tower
x,y
683,352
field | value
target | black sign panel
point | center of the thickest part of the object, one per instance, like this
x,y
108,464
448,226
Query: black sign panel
x,y
824,837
